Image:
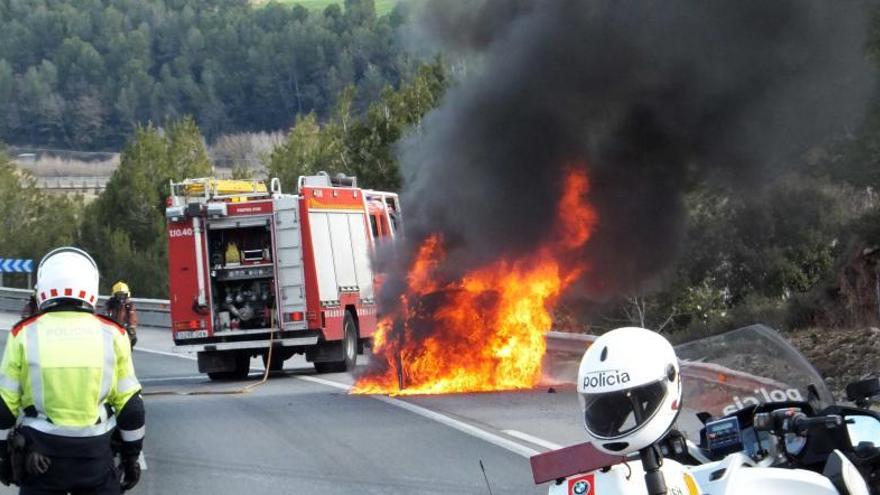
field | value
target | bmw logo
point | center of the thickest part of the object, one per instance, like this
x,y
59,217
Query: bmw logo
x,y
581,487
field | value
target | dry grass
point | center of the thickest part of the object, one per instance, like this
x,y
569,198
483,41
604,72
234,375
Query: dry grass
x,y
842,355
53,166
247,152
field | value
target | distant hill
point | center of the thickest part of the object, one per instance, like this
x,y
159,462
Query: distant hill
x,y
83,75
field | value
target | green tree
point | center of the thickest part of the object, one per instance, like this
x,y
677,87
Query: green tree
x,y
371,141
360,145
233,65
747,258
126,225
33,222
7,85
309,148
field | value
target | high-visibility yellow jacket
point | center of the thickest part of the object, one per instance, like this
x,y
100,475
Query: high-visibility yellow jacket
x,y
61,368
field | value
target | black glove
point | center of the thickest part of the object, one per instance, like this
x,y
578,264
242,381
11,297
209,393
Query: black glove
x,y
132,335
131,473
6,470
37,464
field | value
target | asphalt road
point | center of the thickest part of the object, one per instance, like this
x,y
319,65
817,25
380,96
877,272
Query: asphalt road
x,y
303,433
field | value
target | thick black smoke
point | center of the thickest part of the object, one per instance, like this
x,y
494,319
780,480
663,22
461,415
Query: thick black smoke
x,y
649,96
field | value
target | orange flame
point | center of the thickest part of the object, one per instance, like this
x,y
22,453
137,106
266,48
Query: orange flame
x,y
486,331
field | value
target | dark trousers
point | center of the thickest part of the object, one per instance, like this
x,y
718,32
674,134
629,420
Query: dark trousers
x,y
76,477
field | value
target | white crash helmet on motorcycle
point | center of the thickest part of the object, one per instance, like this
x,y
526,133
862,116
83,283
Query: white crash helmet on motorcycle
x,y
67,273
629,389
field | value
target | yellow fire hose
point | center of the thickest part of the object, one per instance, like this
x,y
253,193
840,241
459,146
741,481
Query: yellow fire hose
x,y
235,391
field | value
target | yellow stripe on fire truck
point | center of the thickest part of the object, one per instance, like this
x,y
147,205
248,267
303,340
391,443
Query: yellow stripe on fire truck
x,y
339,313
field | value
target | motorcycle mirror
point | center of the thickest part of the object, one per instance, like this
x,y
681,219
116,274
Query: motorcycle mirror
x,y
704,417
862,429
863,390
763,422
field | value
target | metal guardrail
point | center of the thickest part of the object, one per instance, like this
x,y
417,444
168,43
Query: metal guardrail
x,y
574,344
156,313
72,183
151,312
568,343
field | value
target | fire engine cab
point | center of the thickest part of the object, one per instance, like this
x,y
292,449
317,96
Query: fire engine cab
x,y
250,266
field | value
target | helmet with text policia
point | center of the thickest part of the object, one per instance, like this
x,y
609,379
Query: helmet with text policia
x,y
67,274
629,389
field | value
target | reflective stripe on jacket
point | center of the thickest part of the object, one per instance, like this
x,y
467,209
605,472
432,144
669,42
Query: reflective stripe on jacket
x,y
61,368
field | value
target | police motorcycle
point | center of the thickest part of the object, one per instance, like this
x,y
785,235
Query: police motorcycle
x,y
743,412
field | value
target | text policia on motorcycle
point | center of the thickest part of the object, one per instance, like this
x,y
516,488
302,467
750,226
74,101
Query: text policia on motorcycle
x,y
631,395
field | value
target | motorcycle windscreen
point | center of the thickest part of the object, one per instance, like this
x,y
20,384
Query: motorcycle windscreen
x,y
749,366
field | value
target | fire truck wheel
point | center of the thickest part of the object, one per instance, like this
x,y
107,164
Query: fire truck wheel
x,y
349,349
350,342
277,363
241,371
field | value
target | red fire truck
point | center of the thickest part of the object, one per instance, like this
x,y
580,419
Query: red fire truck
x,y
249,265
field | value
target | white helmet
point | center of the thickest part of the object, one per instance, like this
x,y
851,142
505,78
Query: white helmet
x,y
629,389
67,273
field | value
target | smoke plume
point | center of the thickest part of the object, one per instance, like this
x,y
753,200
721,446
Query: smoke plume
x,y
648,96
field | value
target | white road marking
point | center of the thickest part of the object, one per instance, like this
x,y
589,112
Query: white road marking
x,y
142,460
165,353
324,381
150,351
170,378
445,420
461,426
533,439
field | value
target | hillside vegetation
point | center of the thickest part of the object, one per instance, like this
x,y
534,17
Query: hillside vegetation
x,y
124,228
801,250
85,73
382,6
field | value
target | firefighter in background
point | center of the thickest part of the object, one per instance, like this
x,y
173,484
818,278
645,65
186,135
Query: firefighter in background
x,y
67,381
121,309
30,308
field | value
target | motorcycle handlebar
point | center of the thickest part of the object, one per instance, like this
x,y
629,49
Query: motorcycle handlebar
x,y
793,421
801,424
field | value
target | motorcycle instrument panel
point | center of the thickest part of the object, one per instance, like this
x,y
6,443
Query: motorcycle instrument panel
x,y
723,436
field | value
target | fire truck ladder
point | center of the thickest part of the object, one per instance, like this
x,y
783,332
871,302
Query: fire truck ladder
x,y
208,188
289,258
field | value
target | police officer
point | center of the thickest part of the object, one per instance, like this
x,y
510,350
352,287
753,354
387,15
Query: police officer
x,y
122,310
67,378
